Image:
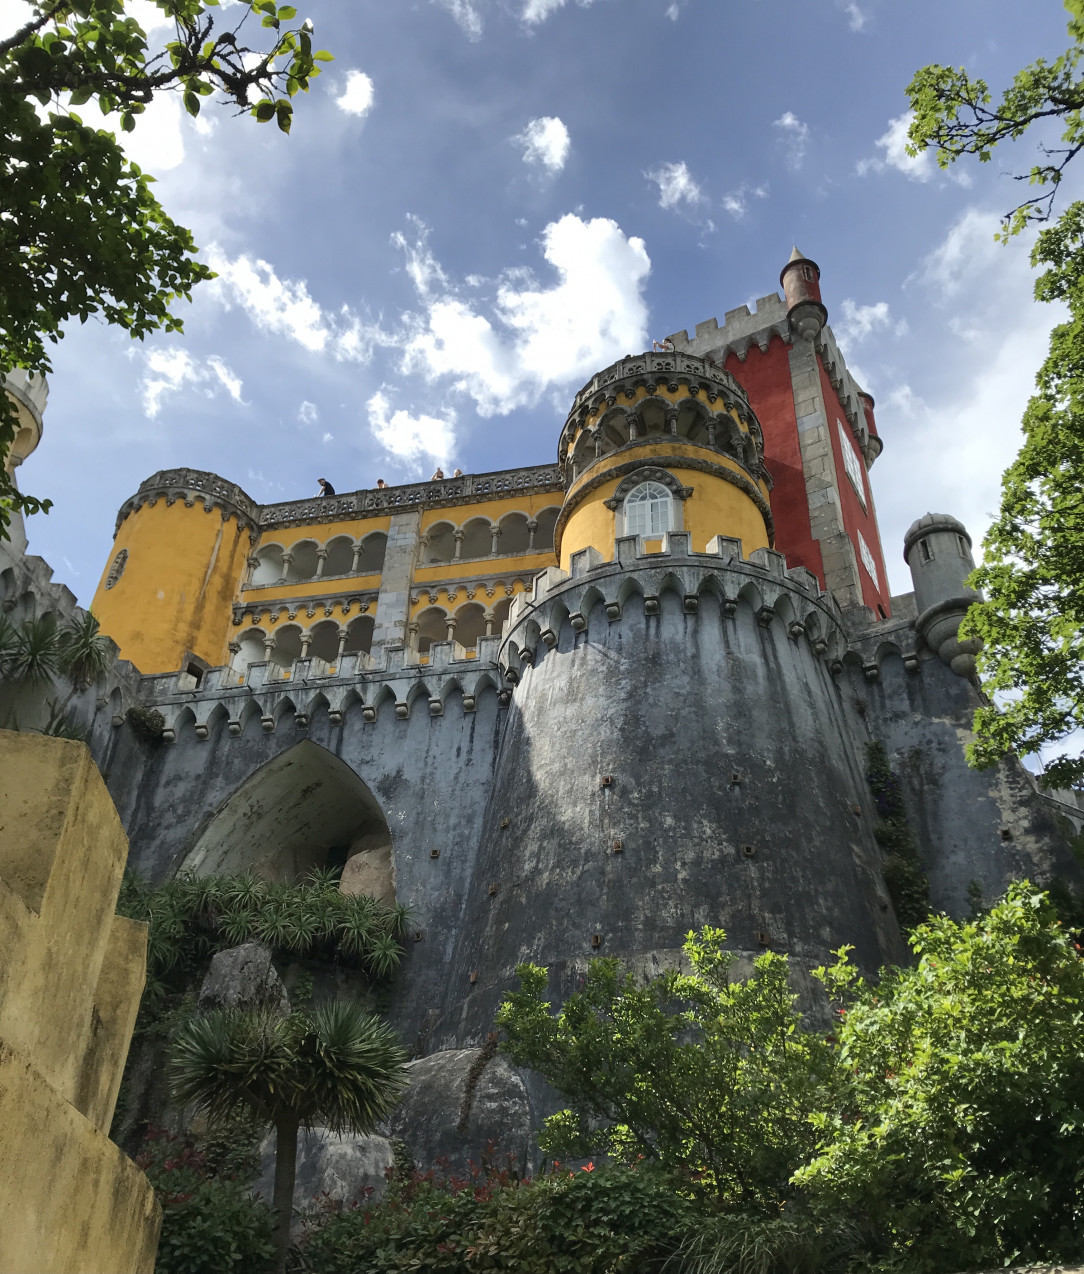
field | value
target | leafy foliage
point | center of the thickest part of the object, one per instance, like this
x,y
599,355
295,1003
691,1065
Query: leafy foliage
x,y
590,1221
961,1138
211,1223
939,1126
954,113
39,652
904,878
147,724
82,233
1032,622
712,1078
190,917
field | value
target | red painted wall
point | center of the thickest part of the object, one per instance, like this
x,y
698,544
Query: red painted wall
x,y
766,380
855,518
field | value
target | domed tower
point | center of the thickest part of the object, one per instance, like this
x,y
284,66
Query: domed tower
x,y
675,752
937,548
644,436
179,552
29,394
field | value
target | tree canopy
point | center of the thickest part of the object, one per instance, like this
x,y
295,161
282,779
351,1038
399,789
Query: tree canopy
x,y
1032,620
81,232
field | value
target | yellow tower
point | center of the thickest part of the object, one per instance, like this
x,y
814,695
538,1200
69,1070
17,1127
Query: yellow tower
x,y
662,442
178,553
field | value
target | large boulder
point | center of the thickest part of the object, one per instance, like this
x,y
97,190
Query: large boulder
x,y
343,1169
243,977
464,1105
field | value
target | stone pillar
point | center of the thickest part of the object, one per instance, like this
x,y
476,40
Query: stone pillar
x,y
252,562
671,422
457,535
355,550
287,562
306,642
838,554
490,619
343,634
321,561
450,626
532,528
393,603
495,535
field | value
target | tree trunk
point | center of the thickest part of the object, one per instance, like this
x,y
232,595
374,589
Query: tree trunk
x,y
285,1169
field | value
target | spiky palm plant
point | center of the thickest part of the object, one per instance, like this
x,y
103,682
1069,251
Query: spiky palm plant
x,y
84,653
35,654
335,1064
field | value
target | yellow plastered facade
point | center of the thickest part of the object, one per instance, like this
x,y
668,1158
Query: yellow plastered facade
x,y
491,510
71,974
324,532
716,506
252,595
183,570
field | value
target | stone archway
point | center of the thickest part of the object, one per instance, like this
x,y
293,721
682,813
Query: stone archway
x,y
304,809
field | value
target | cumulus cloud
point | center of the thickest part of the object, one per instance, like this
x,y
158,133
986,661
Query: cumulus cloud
x,y
357,96
893,143
530,337
793,137
284,307
736,202
676,185
856,16
856,322
417,442
168,371
545,143
308,413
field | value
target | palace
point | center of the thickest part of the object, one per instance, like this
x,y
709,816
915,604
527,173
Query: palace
x,y
574,709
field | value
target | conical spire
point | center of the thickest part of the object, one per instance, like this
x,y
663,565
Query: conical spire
x,y
795,255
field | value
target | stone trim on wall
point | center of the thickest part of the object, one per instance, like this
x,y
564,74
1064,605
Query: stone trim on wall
x,y
649,473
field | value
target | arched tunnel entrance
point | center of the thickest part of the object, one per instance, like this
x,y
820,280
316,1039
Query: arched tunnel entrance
x,y
304,809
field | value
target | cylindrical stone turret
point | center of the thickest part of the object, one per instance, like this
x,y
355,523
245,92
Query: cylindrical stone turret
x,y
673,757
800,280
937,548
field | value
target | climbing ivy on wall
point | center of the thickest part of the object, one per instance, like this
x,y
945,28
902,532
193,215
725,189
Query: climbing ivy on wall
x,y
192,917
904,878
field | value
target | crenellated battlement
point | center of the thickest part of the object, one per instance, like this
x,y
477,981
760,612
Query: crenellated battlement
x,y
720,577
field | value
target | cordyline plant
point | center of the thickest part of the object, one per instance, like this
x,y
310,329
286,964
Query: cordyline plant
x,y
336,1065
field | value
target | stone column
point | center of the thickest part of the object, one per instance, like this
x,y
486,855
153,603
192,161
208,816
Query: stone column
x,y
819,468
451,625
343,634
355,549
457,535
495,535
321,561
306,642
532,528
287,562
403,552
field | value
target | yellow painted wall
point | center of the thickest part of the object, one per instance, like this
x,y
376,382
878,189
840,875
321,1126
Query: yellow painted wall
x,y
310,588
183,571
461,599
492,568
71,974
716,507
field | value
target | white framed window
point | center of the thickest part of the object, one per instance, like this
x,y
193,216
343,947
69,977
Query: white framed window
x,y
649,511
851,463
867,560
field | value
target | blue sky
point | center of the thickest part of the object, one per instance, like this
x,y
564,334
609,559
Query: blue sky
x,y
484,201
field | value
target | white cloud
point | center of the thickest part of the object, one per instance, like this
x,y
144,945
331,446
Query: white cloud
x,y
308,413
859,321
467,14
415,441
285,308
537,337
676,185
793,136
423,268
856,17
535,11
674,11
962,257
736,202
545,142
357,97
168,371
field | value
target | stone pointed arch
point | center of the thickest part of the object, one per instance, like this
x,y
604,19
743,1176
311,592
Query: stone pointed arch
x,y
306,808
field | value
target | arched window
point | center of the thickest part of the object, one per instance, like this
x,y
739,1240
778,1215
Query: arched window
x,y
649,511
